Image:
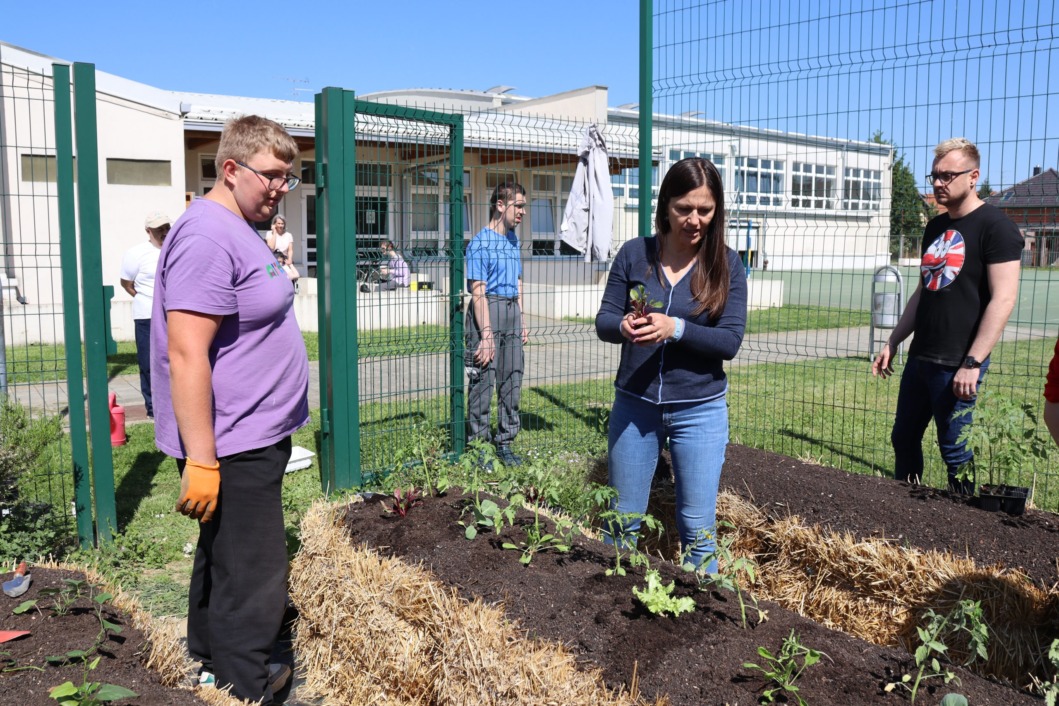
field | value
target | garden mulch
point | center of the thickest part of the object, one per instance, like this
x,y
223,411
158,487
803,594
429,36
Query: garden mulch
x,y
698,658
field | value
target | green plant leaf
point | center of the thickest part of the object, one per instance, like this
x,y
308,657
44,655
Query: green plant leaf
x,y
113,692
65,689
23,607
471,532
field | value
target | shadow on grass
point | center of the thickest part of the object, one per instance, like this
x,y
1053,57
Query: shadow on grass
x,y
122,364
136,485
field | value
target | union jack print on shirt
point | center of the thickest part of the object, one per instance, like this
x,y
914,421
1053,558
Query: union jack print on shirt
x,y
943,260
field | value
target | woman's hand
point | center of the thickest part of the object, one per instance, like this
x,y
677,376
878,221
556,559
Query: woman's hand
x,y
649,330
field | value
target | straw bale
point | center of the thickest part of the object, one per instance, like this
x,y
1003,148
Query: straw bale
x,y
879,591
375,630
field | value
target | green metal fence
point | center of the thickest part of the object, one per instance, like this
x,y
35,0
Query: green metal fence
x,y
822,117
421,177
50,268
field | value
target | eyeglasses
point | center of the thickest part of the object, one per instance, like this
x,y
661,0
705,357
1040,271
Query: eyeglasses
x,y
945,177
274,183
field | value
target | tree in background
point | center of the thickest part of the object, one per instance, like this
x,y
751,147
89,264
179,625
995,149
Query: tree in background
x,y
985,190
909,211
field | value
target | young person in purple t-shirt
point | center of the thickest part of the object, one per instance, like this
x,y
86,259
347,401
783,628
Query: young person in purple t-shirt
x,y
223,313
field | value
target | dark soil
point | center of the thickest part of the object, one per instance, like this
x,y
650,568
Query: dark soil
x,y
881,507
698,658
50,634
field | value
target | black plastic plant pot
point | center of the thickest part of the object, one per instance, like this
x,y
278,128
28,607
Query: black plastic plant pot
x,y
1009,498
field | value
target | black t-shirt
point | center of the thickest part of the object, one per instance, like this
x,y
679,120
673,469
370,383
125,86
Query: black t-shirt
x,y
954,289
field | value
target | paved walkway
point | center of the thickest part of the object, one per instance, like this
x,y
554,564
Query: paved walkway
x,y
560,352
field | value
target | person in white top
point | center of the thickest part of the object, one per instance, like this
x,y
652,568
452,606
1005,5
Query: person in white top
x,y
137,278
281,243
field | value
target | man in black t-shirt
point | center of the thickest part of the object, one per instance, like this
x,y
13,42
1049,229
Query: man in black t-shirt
x,y
969,278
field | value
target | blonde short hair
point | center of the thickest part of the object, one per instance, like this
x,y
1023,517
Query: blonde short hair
x,y
961,144
248,135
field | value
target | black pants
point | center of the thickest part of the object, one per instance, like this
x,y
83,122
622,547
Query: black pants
x,y
239,581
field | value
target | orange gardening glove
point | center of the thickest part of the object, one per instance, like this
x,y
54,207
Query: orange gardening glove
x,y
199,486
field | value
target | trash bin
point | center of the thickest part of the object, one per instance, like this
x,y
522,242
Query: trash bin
x,y
887,294
885,309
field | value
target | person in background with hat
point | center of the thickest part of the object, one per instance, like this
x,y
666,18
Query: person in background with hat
x,y
137,278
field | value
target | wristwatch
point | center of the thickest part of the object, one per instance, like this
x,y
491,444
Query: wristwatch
x,y
971,362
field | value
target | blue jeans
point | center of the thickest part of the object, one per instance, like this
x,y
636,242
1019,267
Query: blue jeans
x,y
143,359
698,436
926,393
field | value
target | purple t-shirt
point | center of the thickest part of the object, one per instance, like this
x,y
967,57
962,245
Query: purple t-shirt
x,y
214,262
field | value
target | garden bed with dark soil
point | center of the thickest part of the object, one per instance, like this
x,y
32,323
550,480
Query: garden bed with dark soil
x,y
26,675
698,658
912,515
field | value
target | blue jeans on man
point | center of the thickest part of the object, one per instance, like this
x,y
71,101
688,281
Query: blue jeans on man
x,y
698,437
143,359
925,394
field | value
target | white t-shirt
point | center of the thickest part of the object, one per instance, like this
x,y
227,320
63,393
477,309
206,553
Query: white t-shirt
x,y
283,241
138,266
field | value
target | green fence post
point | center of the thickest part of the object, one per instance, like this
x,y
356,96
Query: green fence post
x,y
646,113
64,169
456,285
92,289
336,252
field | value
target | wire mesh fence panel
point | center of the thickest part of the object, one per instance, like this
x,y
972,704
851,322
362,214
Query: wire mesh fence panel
x,y
36,485
404,183
822,119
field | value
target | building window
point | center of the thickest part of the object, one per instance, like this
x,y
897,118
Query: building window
x,y
308,171
369,174
140,172
862,189
547,203
812,186
41,168
208,167
718,159
758,182
426,212
626,184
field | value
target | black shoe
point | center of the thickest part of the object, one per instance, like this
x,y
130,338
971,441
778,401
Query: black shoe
x,y
364,288
507,456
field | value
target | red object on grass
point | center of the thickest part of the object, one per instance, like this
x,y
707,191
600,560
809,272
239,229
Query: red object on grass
x,y
117,422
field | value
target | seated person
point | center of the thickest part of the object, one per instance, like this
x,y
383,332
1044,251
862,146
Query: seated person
x,y
393,273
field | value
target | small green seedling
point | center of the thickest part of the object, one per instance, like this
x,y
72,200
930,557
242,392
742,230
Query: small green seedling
x,y
783,669
953,700
965,617
658,597
1050,689
729,570
89,693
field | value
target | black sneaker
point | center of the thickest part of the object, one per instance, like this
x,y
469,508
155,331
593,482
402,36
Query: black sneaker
x,y
507,456
364,288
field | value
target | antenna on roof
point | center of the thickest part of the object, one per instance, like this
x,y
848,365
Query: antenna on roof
x,y
501,89
295,90
628,106
691,114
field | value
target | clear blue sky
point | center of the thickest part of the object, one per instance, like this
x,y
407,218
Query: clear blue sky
x,y
268,49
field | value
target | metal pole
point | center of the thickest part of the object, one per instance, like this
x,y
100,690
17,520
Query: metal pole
x,y
64,163
93,305
646,114
456,286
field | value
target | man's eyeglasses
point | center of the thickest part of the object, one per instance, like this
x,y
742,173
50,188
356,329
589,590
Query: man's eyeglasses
x,y
944,177
275,183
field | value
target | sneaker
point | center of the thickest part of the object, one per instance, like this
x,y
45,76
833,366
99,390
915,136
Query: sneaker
x,y
364,288
507,456
278,676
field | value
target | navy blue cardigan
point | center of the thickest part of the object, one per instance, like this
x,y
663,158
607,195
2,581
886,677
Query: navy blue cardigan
x,y
691,369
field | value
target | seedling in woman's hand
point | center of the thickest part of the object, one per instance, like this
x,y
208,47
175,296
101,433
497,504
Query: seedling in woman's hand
x,y
641,306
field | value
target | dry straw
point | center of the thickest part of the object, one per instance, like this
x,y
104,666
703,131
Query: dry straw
x,y
374,630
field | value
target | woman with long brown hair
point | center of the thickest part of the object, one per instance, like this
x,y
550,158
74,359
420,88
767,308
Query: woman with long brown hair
x,y
671,384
